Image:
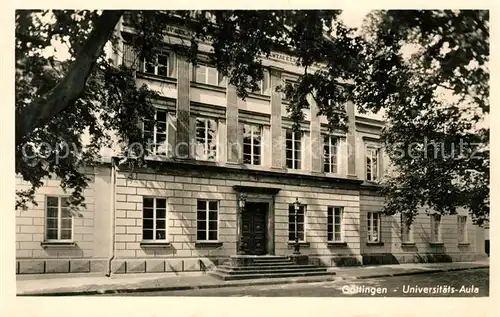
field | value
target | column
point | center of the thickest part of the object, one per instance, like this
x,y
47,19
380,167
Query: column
x,y
233,146
316,140
183,103
351,141
276,124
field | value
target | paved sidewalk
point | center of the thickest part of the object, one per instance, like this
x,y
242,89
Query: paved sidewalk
x,y
63,284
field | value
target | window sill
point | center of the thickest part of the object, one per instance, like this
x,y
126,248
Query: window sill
x,y
333,244
155,244
408,244
164,79
374,243
301,243
57,244
209,244
259,96
464,244
208,86
436,244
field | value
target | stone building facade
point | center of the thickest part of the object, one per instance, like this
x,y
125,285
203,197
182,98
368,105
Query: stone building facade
x,y
223,179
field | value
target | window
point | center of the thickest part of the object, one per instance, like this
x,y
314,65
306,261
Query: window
x,y
263,84
371,164
293,151
207,220
154,219
373,227
462,229
206,139
208,75
436,228
157,133
156,66
300,223
252,137
285,83
406,230
335,226
59,220
330,154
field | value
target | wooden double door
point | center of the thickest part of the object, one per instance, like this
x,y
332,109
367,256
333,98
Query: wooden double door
x,y
254,228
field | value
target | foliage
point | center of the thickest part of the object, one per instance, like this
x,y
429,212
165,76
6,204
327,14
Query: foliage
x,y
339,64
434,98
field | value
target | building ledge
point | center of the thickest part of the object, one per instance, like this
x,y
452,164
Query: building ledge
x,y
155,244
208,244
337,244
168,80
374,243
436,244
301,244
259,96
464,244
408,244
207,86
58,244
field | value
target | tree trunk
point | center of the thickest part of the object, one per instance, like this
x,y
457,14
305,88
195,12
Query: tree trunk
x,y
66,92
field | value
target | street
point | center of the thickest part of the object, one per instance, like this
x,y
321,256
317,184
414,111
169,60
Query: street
x,y
467,283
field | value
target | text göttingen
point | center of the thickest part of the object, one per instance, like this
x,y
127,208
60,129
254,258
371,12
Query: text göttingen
x,y
409,289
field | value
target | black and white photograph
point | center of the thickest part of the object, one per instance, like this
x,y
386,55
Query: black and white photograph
x,y
314,153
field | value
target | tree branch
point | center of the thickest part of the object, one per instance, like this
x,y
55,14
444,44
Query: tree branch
x,y
68,90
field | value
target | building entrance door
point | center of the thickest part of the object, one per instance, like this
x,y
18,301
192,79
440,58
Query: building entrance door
x,y
254,219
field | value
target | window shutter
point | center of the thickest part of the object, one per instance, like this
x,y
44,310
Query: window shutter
x,y
192,137
130,56
172,134
222,80
240,141
283,149
172,62
265,83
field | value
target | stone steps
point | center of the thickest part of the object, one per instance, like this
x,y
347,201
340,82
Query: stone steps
x,y
257,267
265,267
228,277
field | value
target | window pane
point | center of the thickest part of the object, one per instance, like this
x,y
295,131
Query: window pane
x,y
161,203
247,158
201,235
212,235
201,73
160,235
147,234
150,68
51,223
212,215
52,201
202,204
65,234
161,213
160,224
202,214
212,76
66,223
147,213
256,160
52,234
147,223
147,202
212,206
65,213
212,225
51,212
202,225
338,236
